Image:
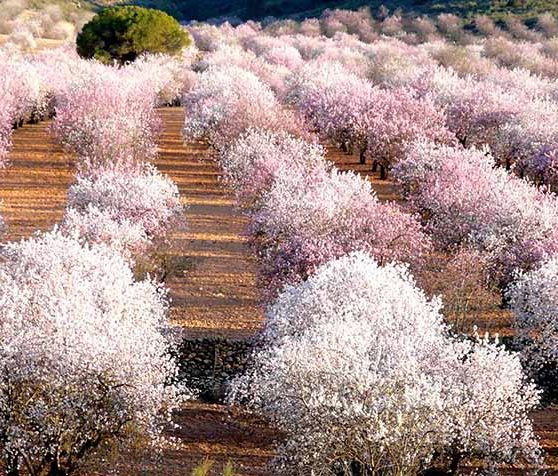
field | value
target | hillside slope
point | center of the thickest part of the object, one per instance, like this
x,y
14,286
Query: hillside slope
x,y
256,9
186,10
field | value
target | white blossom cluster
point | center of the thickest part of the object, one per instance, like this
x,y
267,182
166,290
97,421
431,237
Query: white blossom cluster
x,y
360,373
534,299
128,211
84,360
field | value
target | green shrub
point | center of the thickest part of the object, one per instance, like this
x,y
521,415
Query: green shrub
x,y
123,33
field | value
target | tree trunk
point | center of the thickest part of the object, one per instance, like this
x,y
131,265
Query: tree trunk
x,y
362,156
374,166
504,303
383,172
454,465
55,470
357,469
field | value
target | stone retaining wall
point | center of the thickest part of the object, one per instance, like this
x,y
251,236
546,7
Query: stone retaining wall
x,y
207,365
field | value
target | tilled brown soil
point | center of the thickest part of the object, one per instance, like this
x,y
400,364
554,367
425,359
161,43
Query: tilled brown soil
x,y
33,187
213,291
216,293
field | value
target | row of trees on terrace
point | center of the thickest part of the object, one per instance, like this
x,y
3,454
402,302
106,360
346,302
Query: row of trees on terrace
x,y
86,366
337,369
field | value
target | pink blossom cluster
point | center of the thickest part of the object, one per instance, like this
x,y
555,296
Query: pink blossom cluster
x,y
476,110
358,371
227,101
273,75
169,76
338,104
465,198
84,360
22,97
108,119
515,115
250,163
396,64
530,137
520,54
358,23
208,37
467,61
377,122
512,112
398,118
305,212
305,220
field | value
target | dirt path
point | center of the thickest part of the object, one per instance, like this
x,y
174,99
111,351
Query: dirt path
x,y
34,185
216,293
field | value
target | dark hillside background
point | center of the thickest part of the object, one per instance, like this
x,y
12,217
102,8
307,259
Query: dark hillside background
x,y
258,9
187,10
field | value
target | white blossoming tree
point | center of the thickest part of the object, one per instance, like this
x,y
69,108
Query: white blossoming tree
x,y
534,300
360,374
84,362
128,211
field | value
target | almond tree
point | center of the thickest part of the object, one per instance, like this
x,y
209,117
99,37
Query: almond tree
x,y
251,162
534,302
108,118
125,210
360,375
305,220
227,101
84,363
465,199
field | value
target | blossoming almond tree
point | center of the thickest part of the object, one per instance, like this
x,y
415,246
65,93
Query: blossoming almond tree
x,y
84,362
22,96
360,374
126,210
227,101
108,119
397,118
467,200
251,162
303,221
533,300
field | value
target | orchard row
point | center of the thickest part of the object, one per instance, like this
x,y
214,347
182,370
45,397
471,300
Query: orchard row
x,y
356,367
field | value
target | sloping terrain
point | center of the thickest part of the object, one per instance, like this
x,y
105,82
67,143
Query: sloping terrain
x,y
214,294
256,9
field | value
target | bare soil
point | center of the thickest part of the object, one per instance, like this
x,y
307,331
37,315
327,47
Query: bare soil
x,y
217,292
33,187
